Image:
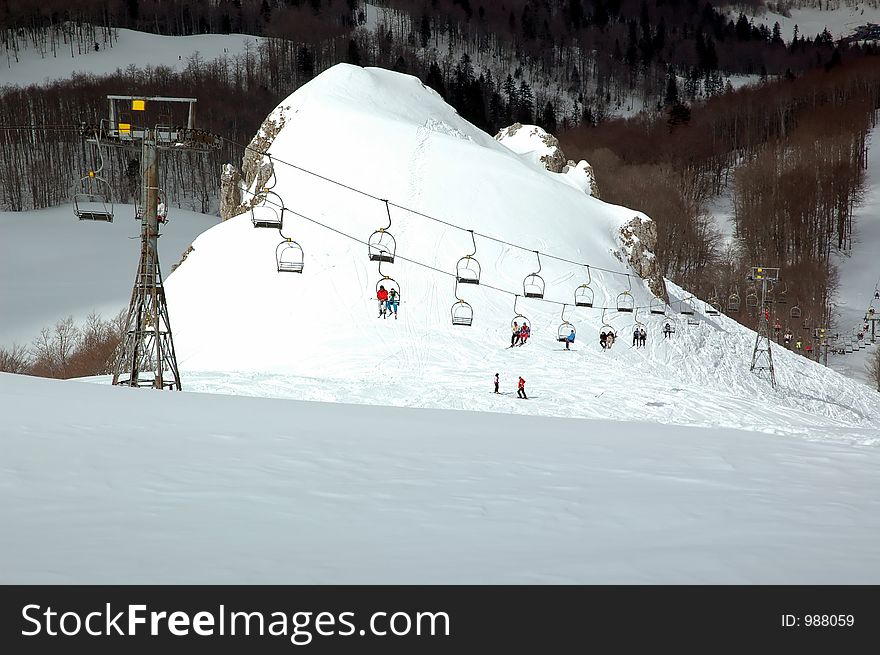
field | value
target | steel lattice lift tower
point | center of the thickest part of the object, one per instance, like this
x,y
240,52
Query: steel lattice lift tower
x,y
146,354
762,356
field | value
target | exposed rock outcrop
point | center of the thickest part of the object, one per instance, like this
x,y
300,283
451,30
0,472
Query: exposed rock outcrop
x,y
230,192
542,148
255,170
582,168
638,239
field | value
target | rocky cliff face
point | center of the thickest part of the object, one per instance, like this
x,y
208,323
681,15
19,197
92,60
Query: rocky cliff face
x,y
255,170
583,169
638,238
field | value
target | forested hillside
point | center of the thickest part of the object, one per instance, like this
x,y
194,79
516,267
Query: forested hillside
x,y
791,155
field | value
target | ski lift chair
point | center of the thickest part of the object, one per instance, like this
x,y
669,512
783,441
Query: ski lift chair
x,y
270,212
381,246
733,303
565,328
518,318
625,300
658,306
583,295
389,283
711,308
607,329
462,313
533,284
289,256
92,199
467,271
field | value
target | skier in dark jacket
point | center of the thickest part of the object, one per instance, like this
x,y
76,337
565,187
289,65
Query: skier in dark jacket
x,y
496,384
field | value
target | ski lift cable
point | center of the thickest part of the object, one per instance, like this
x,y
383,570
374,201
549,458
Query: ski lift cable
x,y
415,212
413,261
424,265
355,190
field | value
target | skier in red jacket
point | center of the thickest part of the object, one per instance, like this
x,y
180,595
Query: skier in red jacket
x,y
521,391
382,295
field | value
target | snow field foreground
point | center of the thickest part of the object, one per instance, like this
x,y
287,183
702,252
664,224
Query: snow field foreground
x,y
210,489
241,327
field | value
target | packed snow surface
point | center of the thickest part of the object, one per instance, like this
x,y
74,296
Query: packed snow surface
x,y
121,486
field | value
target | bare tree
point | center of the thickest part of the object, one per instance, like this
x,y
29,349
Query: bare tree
x,y
14,360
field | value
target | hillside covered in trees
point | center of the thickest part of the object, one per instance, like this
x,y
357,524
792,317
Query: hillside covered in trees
x,y
791,155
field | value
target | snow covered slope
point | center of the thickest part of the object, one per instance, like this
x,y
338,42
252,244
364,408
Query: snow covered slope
x,y
207,489
241,327
840,21
860,273
129,48
387,134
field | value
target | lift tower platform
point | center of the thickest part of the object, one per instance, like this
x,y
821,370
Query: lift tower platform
x,y
145,124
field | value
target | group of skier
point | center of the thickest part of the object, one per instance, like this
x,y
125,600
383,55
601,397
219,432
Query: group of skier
x,y
520,388
639,336
606,339
519,334
388,301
